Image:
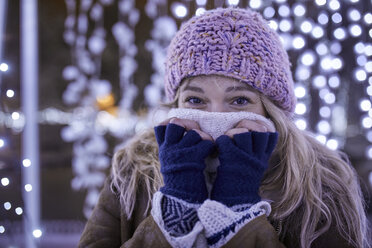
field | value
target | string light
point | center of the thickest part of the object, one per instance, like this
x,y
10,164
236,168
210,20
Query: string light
x,y
334,5
301,124
320,2
336,18
321,138
5,181
37,233
365,105
325,112
354,15
269,12
332,144
28,187
7,205
284,11
15,116
10,93
324,127
300,108
19,211
299,9
199,11
306,26
4,67
255,4
300,91
233,2
179,10
298,42
26,162
323,18
339,33
360,75
201,2
367,122
368,18
355,30
2,143
334,81
2,229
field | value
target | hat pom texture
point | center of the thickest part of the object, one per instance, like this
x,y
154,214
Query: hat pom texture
x,y
231,42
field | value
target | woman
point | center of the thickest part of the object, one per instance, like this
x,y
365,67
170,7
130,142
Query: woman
x,y
229,167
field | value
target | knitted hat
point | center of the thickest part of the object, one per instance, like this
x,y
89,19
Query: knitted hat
x,y
232,42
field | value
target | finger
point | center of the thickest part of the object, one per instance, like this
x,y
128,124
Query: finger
x,y
187,124
253,126
191,138
174,133
235,131
244,141
165,122
160,133
224,142
203,135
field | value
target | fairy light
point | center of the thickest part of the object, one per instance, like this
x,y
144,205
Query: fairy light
x,y
301,124
339,33
319,81
7,205
5,181
273,24
336,18
360,74
324,127
26,162
19,211
320,2
325,112
332,144
355,30
334,5
233,2
284,11
269,12
300,108
334,81
199,11
306,26
285,25
354,15
298,42
255,4
2,143
4,67
323,18
28,187
300,91
299,9
368,18
10,93
321,138
365,105
2,229
15,116
201,2
321,49
37,233
179,10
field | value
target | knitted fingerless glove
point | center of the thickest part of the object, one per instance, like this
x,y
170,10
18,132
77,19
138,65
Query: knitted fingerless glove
x,y
182,162
243,161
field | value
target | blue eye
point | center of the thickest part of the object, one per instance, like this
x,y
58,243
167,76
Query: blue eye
x,y
241,101
193,100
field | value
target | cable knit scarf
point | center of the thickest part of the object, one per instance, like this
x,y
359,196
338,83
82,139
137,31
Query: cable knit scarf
x,y
217,123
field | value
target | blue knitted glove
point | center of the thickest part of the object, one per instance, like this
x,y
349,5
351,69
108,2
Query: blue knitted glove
x,y
182,162
243,161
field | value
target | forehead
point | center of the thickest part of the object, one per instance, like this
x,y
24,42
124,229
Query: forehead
x,y
213,81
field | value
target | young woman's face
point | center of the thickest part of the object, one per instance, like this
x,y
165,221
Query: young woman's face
x,y
215,93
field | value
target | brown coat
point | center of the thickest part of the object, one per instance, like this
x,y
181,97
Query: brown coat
x,y
109,227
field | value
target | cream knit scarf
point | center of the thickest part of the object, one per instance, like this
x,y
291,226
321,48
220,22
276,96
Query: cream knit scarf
x,y
216,123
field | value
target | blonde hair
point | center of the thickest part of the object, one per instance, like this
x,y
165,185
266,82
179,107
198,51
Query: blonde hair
x,y
315,184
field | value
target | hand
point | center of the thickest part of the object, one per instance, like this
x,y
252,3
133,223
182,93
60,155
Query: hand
x,y
181,156
243,161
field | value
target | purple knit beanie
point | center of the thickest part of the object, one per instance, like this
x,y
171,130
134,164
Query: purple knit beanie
x,y
232,42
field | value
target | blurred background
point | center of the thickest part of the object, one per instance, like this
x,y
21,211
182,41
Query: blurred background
x,y
80,77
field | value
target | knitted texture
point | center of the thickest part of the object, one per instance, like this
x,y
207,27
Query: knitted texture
x,y
181,157
231,42
178,219
222,223
243,161
217,123
194,238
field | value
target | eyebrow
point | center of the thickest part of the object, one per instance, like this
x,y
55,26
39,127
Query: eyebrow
x,y
238,88
192,88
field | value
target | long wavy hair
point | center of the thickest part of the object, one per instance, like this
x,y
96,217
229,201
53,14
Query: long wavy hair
x,y
317,187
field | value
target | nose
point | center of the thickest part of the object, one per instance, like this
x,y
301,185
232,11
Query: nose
x,y
217,107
